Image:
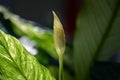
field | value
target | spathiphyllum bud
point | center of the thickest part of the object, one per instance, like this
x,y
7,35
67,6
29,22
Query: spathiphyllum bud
x,y
59,36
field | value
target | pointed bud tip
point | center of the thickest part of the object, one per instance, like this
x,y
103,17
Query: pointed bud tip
x,y
59,36
53,12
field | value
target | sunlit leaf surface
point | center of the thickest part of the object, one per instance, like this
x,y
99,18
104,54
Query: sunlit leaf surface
x,y
17,64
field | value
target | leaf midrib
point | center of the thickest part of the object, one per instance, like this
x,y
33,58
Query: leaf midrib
x,y
14,62
107,31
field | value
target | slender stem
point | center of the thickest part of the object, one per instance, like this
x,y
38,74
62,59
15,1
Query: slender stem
x,y
60,67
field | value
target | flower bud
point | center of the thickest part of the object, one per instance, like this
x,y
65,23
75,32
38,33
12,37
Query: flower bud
x,y
59,35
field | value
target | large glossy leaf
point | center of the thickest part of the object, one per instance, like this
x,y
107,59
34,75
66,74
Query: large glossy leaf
x,y
97,34
17,64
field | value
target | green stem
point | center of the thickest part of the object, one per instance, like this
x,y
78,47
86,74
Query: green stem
x,y
60,67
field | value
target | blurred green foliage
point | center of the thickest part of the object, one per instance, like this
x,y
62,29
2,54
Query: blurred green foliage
x,y
97,35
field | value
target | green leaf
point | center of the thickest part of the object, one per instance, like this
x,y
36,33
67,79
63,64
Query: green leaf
x,y
97,34
42,37
17,64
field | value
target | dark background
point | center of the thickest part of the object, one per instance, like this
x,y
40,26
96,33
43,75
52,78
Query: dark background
x,y
40,11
